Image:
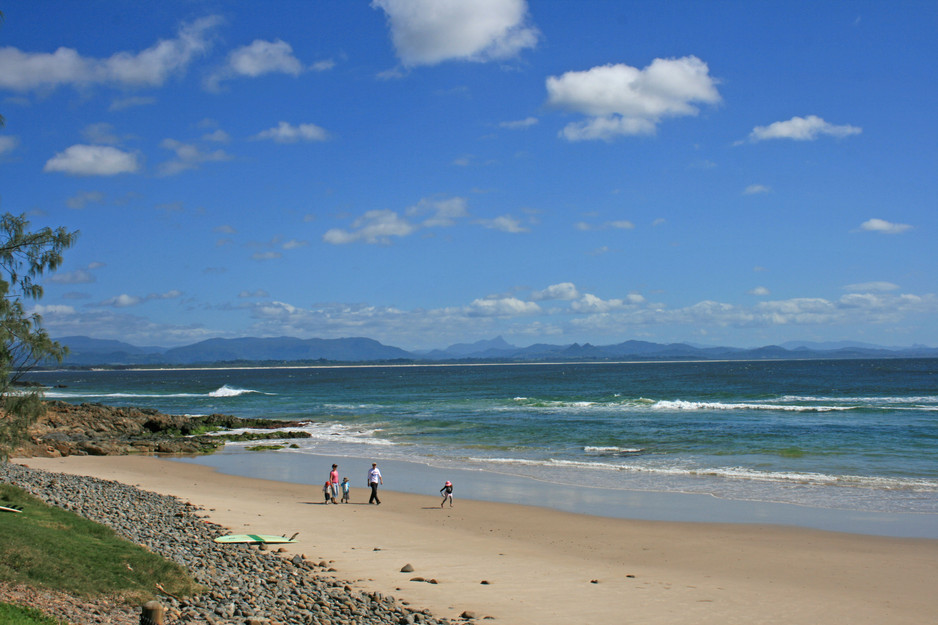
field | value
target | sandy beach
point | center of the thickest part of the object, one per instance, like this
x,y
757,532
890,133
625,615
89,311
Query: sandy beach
x,y
547,567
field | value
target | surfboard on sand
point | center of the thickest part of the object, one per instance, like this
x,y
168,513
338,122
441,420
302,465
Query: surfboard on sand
x,y
11,508
254,539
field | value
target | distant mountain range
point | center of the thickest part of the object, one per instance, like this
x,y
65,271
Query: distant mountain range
x,y
89,352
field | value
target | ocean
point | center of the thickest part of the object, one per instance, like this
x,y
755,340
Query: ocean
x,y
854,435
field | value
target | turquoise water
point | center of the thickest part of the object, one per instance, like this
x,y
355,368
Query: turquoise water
x,y
853,435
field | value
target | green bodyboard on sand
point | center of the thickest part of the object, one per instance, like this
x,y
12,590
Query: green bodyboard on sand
x,y
253,538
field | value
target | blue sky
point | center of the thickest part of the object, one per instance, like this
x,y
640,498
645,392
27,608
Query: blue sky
x,y
426,172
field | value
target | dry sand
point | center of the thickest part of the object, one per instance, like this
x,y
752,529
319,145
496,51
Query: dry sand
x,y
547,567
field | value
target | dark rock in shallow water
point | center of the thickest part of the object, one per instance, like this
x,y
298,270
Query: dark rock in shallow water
x,y
272,588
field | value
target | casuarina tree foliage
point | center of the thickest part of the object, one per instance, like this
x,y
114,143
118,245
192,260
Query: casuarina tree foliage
x,y
24,257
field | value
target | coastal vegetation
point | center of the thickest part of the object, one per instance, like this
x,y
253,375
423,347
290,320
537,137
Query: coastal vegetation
x,y
24,257
49,547
20,615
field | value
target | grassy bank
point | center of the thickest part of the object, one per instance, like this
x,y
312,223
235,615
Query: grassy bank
x,y
48,547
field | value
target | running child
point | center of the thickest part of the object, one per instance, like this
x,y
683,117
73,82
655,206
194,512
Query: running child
x,y
447,492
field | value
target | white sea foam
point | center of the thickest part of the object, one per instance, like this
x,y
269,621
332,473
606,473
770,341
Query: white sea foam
x,y
230,391
730,473
612,450
683,405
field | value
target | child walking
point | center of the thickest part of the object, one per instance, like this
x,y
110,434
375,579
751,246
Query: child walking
x,y
327,491
447,492
345,489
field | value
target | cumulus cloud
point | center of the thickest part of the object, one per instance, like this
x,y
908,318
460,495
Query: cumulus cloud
x,y
623,100
565,291
124,300
288,133
802,129
93,160
439,213
502,307
883,227
26,71
755,189
258,58
589,303
759,291
428,32
379,226
375,227
188,156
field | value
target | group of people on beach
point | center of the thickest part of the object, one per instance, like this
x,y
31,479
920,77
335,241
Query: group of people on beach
x,y
332,487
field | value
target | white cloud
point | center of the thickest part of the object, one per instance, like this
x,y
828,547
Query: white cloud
x,y
802,129
258,58
519,124
872,287
288,133
759,291
217,136
621,224
504,223
83,275
8,144
125,301
565,291
25,71
188,157
122,301
427,32
754,189
442,213
322,66
623,100
884,227
589,303
376,226
93,160
502,307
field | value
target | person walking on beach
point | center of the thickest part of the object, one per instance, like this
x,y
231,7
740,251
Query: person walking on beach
x,y
327,492
447,492
334,480
345,489
374,478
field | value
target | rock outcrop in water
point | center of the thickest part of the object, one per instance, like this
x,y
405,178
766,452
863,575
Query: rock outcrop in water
x,y
94,429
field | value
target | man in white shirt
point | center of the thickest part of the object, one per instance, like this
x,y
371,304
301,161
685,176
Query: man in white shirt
x,y
374,478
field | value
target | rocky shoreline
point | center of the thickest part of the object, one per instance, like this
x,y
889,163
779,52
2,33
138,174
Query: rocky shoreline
x,y
95,429
244,585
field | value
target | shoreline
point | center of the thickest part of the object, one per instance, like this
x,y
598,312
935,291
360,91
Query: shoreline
x,y
420,477
549,567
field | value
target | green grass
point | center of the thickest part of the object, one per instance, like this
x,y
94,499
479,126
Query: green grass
x,y
49,547
19,615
